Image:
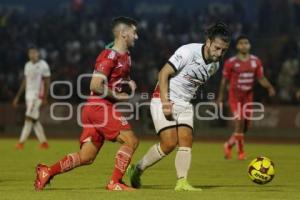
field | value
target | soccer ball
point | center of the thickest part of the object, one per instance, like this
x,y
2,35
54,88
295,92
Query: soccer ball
x,y
261,170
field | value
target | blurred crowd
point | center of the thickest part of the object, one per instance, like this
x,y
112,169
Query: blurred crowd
x,y
71,37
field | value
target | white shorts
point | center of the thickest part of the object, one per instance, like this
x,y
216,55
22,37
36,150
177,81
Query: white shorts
x,y
33,108
183,114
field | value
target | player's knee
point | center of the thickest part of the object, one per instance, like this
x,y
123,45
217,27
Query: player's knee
x,y
132,141
135,142
29,119
168,146
86,160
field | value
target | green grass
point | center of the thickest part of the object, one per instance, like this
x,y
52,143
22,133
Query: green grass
x,y
219,179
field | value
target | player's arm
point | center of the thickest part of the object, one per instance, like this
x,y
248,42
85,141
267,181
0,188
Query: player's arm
x,y
99,86
264,82
19,93
163,80
222,88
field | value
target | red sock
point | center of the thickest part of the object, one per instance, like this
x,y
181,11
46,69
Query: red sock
x,y
240,142
69,162
231,141
122,160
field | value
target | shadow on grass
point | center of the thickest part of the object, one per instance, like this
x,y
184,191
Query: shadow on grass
x,y
73,188
258,188
158,187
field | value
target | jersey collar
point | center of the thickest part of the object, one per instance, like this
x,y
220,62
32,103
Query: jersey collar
x,y
110,45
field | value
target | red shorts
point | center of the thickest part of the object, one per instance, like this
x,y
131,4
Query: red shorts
x,y
101,121
241,105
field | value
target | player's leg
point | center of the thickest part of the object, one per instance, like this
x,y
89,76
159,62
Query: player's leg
x,y
183,155
184,152
27,128
242,125
167,131
40,134
129,143
28,125
231,142
239,137
167,143
87,154
37,126
91,141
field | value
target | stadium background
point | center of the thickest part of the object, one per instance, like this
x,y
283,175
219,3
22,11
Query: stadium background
x,y
70,35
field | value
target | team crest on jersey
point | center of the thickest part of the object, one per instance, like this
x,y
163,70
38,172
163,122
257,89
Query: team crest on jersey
x,y
253,64
237,65
213,68
111,55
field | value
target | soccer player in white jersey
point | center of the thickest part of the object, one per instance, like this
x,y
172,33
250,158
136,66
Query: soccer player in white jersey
x,y
35,83
172,113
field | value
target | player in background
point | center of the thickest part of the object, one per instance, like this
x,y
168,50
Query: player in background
x,y
172,113
36,85
241,71
100,118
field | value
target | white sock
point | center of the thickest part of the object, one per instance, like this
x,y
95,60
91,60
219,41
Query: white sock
x,y
26,131
183,161
39,132
153,155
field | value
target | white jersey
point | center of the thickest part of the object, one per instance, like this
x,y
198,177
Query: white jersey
x,y
34,73
192,70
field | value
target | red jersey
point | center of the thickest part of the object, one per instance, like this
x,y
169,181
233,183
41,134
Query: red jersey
x,y
242,74
115,66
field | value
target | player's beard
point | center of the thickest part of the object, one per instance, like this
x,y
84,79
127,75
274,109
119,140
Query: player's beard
x,y
214,58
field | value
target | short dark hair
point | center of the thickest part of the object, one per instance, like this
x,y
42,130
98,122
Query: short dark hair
x,y
241,37
219,30
123,20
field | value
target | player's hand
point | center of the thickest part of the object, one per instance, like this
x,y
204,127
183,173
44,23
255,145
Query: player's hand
x,y
167,110
272,92
132,86
122,96
15,102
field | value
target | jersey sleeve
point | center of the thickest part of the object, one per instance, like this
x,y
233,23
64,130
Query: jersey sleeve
x,y
227,69
180,58
259,73
46,70
104,65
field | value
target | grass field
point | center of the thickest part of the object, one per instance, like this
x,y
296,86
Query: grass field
x,y
218,178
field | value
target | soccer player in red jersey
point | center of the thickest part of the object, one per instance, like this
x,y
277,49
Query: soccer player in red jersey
x,y
100,118
241,71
